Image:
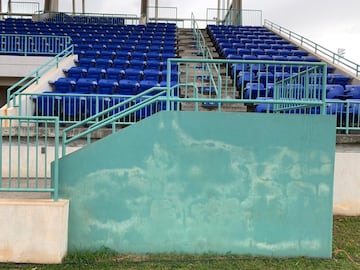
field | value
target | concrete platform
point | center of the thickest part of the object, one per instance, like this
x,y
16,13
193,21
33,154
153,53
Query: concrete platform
x,y
33,231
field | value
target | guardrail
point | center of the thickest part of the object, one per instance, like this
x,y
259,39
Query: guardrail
x,y
315,48
244,17
136,107
209,69
14,91
69,17
33,45
28,145
24,7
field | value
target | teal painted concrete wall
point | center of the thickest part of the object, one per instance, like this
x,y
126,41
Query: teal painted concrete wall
x,y
206,182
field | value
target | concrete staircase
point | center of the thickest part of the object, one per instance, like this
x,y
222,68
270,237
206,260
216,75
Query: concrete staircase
x,y
187,49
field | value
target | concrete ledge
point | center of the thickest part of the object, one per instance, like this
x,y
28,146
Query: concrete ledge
x,y
33,231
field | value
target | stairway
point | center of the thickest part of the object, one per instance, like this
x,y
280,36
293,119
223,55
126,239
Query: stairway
x,y
187,49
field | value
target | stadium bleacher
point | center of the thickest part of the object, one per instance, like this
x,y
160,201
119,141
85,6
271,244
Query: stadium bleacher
x,y
256,81
112,59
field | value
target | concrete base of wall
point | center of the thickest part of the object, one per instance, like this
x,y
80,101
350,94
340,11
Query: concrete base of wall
x,y
347,182
33,231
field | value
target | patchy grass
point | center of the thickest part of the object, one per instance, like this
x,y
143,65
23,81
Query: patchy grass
x,y
346,255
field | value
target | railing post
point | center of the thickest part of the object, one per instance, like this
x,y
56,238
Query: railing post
x,y
323,88
168,83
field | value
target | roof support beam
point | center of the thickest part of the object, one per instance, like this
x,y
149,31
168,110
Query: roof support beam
x,y
143,11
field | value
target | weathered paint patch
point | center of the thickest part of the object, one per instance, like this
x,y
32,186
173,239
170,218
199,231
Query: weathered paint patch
x,y
187,186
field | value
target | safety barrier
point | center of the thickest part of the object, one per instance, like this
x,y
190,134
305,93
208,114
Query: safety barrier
x,y
14,91
245,17
28,145
314,47
89,18
33,45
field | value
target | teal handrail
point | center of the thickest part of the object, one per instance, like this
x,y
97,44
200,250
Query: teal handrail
x,y
149,96
16,173
14,91
315,48
205,52
36,45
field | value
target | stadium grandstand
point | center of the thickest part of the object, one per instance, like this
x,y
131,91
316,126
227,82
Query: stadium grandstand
x,y
151,134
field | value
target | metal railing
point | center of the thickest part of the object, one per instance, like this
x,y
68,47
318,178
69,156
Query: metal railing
x,y
89,18
33,45
161,12
200,80
28,145
128,110
315,48
14,91
210,71
24,7
244,17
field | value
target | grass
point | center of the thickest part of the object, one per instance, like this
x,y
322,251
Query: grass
x,y
346,255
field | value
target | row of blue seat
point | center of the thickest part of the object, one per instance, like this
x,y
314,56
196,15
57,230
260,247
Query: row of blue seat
x,y
126,54
76,108
119,74
123,63
265,77
85,29
116,47
254,90
344,111
104,86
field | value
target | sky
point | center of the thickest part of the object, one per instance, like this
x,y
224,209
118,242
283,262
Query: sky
x,y
329,23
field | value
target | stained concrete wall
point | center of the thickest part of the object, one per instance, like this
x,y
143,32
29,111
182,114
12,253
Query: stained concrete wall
x,y
33,231
206,182
347,180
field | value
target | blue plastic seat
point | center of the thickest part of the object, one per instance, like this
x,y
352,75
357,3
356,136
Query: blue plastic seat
x,y
352,91
284,52
121,103
108,86
121,63
108,54
335,91
75,73
270,52
265,77
264,46
298,52
86,62
133,74
86,86
153,56
243,78
64,85
152,74
254,90
123,55
96,73
310,58
47,104
137,64
335,78
96,104
115,74
147,84
136,55
73,108
166,55
257,51
290,47
89,54
103,63
128,87
146,111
